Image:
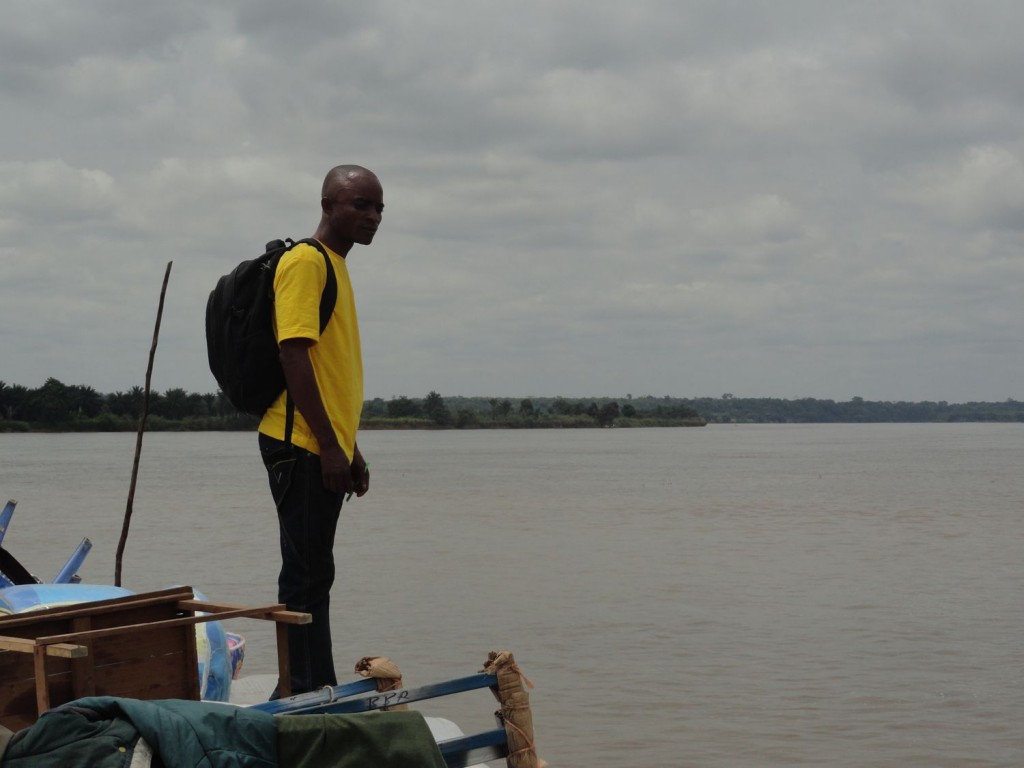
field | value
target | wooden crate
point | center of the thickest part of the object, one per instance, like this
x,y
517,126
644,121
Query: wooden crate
x,y
141,646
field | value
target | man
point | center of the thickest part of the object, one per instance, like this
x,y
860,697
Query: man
x,y
311,474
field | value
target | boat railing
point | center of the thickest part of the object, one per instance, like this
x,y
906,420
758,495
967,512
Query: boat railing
x,y
512,740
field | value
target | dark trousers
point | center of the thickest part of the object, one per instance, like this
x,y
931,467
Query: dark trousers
x,y
308,515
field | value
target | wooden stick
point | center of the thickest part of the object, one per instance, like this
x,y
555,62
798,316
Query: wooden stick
x,y
142,428
42,681
284,665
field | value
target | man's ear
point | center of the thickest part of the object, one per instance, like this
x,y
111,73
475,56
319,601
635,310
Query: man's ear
x,y
325,204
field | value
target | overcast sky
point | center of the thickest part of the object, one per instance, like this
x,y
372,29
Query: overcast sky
x,y
584,197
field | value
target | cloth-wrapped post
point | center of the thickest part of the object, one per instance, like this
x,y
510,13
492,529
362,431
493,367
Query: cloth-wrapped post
x,y
515,711
385,673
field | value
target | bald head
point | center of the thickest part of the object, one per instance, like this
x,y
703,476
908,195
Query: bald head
x,y
351,205
341,176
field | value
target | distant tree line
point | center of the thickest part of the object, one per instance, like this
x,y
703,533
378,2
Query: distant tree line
x,y
735,410
56,406
505,413
649,410
75,407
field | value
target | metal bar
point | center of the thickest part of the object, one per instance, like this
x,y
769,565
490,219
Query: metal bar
x,y
303,702
65,575
5,518
372,701
476,748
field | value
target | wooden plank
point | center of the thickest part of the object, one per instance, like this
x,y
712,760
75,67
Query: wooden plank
x,y
116,648
16,670
83,682
126,617
28,645
150,665
18,699
18,684
60,625
284,665
190,664
151,626
42,683
98,608
20,644
219,612
272,612
126,629
290,617
58,686
151,677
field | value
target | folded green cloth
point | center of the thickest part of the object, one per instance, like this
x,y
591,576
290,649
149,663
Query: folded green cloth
x,y
104,731
5,738
378,739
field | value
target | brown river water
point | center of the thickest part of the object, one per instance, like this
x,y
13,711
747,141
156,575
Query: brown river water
x,y
821,595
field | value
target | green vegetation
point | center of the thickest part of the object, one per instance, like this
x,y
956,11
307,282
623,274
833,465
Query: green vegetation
x,y
733,410
59,407
434,411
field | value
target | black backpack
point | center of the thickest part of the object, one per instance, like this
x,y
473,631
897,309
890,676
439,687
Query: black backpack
x,y
240,328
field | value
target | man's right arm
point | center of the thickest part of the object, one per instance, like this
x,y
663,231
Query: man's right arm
x,y
303,390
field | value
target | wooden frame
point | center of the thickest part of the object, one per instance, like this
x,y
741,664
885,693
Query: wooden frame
x,y
141,646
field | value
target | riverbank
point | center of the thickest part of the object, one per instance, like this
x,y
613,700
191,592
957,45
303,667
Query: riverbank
x,y
242,423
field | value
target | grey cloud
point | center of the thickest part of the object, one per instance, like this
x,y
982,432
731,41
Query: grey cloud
x,y
804,198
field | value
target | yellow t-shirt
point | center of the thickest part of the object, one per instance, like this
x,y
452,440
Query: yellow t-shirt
x,y
336,355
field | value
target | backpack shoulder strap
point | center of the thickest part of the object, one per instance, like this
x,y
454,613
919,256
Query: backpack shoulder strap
x,y
330,295
328,299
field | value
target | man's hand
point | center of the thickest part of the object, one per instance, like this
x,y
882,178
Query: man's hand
x,y
360,474
337,472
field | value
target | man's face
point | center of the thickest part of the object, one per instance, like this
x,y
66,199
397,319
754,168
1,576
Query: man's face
x,y
355,210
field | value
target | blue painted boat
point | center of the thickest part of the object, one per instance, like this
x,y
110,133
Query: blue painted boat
x,y
220,653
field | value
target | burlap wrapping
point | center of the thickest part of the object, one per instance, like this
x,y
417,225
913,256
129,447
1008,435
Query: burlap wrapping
x,y
385,673
515,709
